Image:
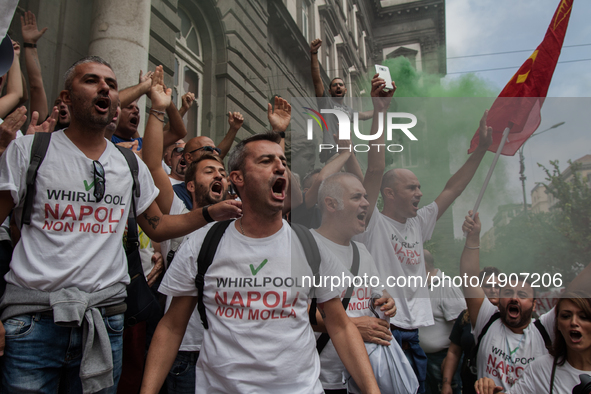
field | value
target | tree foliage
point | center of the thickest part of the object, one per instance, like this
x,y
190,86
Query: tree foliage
x,y
573,206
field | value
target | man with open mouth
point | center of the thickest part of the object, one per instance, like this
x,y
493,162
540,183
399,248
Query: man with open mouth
x,y
63,119
259,337
129,120
331,98
508,339
207,184
395,237
343,205
67,281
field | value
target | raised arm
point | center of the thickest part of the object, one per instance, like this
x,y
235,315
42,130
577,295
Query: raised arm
x,y
316,78
176,127
330,168
235,121
187,101
376,158
14,84
8,129
458,182
279,115
132,93
470,265
30,37
152,146
365,115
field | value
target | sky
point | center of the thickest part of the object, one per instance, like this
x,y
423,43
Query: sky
x,y
487,26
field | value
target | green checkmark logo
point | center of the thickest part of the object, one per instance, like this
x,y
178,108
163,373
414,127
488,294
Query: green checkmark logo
x,y
87,186
257,269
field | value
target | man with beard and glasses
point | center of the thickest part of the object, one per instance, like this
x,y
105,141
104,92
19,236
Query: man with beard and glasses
x,y
513,339
62,312
173,162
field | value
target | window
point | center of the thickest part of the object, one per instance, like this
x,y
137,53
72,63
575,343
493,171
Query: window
x,y
350,17
306,20
188,75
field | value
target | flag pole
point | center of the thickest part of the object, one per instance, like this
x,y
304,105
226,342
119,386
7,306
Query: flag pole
x,y
490,171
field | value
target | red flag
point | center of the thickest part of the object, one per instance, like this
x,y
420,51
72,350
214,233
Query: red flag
x,y
519,104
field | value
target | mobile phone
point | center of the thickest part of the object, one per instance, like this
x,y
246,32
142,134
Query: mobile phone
x,y
384,73
376,309
231,190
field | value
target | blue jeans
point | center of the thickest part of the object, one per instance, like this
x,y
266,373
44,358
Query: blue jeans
x,y
414,353
181,378
41,356
435,376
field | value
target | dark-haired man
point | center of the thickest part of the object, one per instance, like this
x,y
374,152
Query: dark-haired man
x,y
129,120
63,119
67,280
333,100
511,342
262,340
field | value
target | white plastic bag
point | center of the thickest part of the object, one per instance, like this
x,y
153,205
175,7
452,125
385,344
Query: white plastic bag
x,y
392,370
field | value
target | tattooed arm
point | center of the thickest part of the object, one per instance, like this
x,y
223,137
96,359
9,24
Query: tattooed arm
x,y
160,227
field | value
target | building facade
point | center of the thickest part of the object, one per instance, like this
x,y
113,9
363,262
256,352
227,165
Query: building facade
x,y
235,55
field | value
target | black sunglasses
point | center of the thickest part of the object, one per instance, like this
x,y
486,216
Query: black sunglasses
x,y
208,149
178,150
99,181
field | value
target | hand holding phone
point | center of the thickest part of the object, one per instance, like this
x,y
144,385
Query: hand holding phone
x,y
384,73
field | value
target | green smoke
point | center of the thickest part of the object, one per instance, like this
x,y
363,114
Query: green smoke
x,y
449,115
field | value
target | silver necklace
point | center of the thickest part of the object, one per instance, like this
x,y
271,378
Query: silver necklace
x,y
241,228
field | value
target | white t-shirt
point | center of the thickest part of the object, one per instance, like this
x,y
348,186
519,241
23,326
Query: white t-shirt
x,y
503,355
331,372
447,302
174,181
259,337
536,378
194,333
177,207
165,167
72,241
397,249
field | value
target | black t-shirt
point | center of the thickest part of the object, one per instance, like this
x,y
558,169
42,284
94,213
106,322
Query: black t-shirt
x,y
461,334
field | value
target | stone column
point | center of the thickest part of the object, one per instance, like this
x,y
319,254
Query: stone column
x,y
120,34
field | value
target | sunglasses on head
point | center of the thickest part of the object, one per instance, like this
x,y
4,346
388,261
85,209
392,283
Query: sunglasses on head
x,y
178,150
208,149
99,181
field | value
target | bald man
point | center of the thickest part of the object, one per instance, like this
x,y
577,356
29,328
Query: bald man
x,y
400,230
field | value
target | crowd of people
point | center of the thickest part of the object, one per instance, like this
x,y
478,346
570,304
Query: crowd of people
x,y
235,251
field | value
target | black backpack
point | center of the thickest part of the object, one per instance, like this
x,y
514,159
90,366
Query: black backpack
x,y
141,302
209,249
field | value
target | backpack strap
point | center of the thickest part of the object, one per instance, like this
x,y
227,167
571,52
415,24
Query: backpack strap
x,y
313,256
131,159
324,337
133,239
38,151
492,319
209,249
204,260
544,333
